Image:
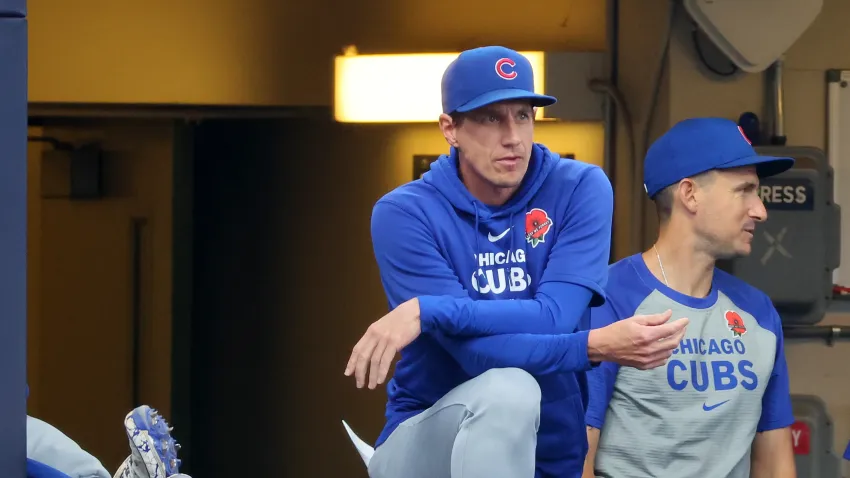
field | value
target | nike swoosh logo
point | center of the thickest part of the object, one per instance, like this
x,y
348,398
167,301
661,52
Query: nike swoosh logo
x,y
493,238
709,408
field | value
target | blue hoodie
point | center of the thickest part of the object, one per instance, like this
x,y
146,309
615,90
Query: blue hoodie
x,y
498,287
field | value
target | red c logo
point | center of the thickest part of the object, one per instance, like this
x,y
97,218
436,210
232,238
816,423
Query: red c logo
x,y
500,68
745,136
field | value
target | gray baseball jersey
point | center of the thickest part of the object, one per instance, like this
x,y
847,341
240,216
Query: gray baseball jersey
x,y
697,415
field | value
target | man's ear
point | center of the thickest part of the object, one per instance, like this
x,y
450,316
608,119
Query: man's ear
x,y
686,193
449,129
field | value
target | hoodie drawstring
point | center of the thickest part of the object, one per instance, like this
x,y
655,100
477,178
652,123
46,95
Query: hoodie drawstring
x,y
512,233
477,235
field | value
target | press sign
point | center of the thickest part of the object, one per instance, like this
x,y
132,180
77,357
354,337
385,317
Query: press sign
x,y
787,194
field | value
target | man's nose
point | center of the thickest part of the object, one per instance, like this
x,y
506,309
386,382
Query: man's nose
x,y
511,136
758,212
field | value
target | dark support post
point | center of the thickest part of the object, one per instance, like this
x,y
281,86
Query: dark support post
x,y
13,237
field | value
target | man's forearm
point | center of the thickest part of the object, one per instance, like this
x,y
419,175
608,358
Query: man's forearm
x,y
556,309
765,467
590,459
773,455
536,354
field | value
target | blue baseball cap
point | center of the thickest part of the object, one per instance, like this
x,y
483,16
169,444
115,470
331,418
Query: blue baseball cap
x,y
487,75
697,145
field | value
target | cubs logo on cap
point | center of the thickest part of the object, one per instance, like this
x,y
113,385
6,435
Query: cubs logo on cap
x,y
505,68
469,83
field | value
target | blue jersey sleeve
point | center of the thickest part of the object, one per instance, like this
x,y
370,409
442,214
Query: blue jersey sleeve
x,y
776,411
575,276
409,260
600,380
537,354
411,266
582,252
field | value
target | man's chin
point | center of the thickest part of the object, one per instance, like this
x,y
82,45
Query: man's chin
x,y
511,180
745,250
741,251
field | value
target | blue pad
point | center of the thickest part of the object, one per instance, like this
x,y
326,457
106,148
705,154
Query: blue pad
x,y
13,8
13,240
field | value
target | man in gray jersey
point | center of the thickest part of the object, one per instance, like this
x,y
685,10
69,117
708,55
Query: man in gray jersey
x,y
721,406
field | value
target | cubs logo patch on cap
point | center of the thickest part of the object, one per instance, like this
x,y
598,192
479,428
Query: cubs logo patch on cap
x,y
488,75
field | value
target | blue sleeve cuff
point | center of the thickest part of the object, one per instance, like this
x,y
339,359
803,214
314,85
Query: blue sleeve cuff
x,y
776,424
428,304
600,388
593,421
580,357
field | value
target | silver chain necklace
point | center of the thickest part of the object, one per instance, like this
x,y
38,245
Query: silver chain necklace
x,y
663,274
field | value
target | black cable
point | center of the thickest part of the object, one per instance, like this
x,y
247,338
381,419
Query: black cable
x,y
611,144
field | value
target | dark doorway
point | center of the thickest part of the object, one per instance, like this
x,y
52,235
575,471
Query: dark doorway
x,y
274,280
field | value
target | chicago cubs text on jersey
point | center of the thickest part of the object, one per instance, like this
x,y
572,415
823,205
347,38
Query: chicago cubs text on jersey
x,y
500,271
716,363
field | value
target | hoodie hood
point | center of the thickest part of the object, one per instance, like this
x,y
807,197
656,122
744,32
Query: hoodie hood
x,y
444,176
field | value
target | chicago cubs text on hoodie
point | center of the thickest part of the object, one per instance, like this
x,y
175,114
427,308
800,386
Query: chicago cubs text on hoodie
x,y
501,286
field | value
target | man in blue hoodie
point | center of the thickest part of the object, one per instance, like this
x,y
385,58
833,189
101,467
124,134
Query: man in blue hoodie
x,y
490,263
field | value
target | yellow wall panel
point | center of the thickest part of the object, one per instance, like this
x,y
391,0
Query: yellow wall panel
x,y
265,52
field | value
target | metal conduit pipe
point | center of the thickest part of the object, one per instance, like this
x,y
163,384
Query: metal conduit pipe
x,y
829,333
778,90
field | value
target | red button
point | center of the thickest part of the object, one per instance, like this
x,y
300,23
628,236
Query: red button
x,y
801,438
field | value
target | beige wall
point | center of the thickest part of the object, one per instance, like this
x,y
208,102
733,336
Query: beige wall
x,y
265,52
79,288
688,91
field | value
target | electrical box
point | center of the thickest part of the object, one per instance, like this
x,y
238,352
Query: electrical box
x,y
75,174
795,252
812,438
754,33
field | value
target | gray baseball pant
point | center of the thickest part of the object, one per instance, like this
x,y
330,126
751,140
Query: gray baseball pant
x,y
483,428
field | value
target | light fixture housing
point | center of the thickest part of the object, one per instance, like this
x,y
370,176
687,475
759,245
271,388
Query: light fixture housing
x,y
400,88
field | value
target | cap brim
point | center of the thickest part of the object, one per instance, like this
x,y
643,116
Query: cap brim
x,y
505,95
766,166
